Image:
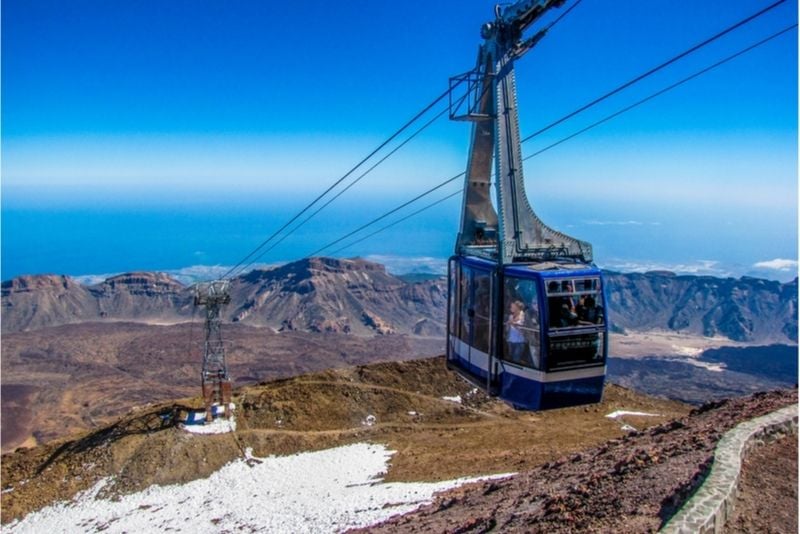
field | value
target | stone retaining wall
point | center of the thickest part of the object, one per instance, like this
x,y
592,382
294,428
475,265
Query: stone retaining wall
x,y
712,505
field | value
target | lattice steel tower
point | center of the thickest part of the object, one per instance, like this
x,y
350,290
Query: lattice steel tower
x,y
216,384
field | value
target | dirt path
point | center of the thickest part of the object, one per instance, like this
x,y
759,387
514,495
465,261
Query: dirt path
x,y
767,500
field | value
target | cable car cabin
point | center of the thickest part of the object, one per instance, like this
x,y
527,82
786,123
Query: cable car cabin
x,y
533,334
525,308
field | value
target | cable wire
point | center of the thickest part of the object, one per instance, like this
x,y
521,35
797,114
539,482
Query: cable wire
x,y
337,182
398,221
562,15
390,212
661,92
354,182
567,138
654,70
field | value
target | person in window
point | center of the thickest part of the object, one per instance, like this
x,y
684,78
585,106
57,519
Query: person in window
x,y
589,312
515,338
567,316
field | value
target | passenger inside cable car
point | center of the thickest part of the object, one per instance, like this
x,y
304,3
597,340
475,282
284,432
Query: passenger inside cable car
x,y
574,316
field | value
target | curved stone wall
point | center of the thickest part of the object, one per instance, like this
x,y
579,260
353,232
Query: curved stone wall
x,y
712,505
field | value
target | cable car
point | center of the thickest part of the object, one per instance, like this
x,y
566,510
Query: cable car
x,y
526,307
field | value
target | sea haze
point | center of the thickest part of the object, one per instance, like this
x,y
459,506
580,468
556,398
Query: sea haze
x,y
94,234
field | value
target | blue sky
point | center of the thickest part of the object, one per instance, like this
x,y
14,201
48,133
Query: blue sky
x,y
125,105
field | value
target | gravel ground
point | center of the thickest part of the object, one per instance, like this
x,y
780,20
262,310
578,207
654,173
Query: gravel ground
x,y
633,484
768,490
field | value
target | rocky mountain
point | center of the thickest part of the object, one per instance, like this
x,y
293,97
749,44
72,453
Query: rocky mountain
x,y
32,302
329,295
317,295
744,309
360,297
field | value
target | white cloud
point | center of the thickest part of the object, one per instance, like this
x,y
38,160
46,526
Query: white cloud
x,y
699,267
186,275
595,222
406,265
613,223
778,264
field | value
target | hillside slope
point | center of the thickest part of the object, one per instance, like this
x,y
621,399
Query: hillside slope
x,y
66,378
328,295
633,484
435,438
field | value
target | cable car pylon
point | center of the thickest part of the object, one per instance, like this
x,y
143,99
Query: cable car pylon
x,y
214,377
525,306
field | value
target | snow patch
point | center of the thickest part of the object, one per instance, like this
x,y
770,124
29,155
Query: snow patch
x,y
714,367
217,426
323,491
457,399
687,351
620,413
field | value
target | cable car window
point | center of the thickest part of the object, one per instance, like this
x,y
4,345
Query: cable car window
x,y
575,316
475,307
574,302
453,295
521,323
575,350
465,290
482,305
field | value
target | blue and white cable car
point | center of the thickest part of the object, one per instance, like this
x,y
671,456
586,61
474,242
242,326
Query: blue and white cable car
x,y
526,308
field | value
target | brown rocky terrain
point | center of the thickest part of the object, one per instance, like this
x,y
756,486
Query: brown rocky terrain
x,y
313,295
72,377
766,478
329,295
632,484
578,470
323,410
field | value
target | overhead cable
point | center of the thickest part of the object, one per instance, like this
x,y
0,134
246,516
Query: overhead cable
x,y
398,221
340,193
388,213
661,92
336,183
563,140
654,69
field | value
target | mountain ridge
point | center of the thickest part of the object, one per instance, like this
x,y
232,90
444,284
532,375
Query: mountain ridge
x,y
360,297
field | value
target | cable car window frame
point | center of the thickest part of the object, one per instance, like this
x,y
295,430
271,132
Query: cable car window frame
x,y
574,295
531,329
475,307
565,342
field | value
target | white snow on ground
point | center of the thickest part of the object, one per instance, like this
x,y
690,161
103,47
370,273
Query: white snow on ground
x,y
620,413
217,426
324,491
457,399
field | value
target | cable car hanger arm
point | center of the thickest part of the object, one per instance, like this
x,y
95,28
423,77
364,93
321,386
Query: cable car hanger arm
x,y
512,231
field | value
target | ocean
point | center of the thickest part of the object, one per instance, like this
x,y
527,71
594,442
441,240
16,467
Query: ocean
x,y
81,240
198,239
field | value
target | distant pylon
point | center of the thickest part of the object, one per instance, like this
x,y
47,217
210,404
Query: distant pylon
x,y
215,381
